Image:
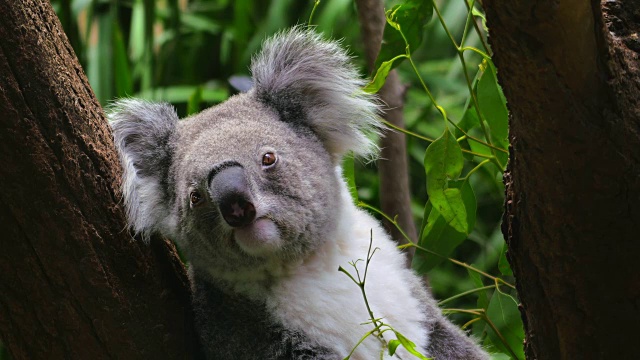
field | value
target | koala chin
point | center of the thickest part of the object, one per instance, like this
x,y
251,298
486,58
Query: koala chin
x,y
252,192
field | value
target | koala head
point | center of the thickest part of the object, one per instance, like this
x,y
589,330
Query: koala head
x,y
253,178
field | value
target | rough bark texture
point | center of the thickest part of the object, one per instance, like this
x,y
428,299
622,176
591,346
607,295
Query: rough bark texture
x,y
73,283
570,73
393,170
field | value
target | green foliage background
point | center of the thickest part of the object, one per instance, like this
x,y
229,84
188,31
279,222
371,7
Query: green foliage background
x,y
186,51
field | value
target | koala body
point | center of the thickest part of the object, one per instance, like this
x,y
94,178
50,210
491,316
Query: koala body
x,y
252,192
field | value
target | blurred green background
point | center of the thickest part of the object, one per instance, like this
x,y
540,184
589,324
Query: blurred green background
x,y
185,52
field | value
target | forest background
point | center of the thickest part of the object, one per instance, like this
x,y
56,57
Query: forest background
x,y
195,54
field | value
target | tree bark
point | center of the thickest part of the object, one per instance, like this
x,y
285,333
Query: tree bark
x,y
393,169
73,282
570,73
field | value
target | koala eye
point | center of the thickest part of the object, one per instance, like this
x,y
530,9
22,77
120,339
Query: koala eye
x,y
268,159
195,198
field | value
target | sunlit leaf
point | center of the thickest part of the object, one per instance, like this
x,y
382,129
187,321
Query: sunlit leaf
x,y
393,345
409,346
381,76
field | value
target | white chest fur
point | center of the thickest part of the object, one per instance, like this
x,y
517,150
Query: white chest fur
x,y
329,307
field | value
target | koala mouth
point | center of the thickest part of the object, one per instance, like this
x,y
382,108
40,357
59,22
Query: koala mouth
x,y
260,237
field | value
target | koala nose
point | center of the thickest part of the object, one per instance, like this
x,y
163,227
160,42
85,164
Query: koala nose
x,y
230,190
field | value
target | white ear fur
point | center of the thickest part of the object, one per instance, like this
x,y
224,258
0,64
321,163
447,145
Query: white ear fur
x,y
143,135
311,82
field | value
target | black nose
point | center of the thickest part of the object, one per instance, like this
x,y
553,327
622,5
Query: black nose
x,y
230,190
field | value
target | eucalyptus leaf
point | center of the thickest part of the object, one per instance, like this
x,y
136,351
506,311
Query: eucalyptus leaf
x,y
493,104
469,121
443,162
409,346
438,236
381,76
410,17
479,327
393,345
503,264
503,312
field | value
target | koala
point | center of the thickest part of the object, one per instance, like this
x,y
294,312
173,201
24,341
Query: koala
x,y
252,192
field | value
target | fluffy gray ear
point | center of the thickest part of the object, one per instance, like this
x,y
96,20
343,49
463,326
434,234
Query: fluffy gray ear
x,y
144,137
311,82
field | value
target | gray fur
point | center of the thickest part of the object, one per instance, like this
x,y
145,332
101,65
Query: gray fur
x,y
144,137
307,107
313,83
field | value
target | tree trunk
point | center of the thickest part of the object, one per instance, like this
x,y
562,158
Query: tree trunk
x,y
393,169
73,282
570,73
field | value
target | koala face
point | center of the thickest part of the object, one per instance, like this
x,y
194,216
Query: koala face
x,y
252,179
250,186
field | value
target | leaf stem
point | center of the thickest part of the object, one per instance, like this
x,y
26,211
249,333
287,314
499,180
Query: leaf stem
x,y
313,11
429,140
476,105
466,24
475,25
442,302
476,50
444,25
411,243
476,139
466,178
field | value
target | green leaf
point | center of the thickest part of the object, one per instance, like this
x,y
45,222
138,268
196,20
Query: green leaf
x,y
393,345
483,296
124,84
381,76
408,345
503,264
443,161
437,234
410,17
193,105
469,121
348,168
479,14
182,94
503,312
493,104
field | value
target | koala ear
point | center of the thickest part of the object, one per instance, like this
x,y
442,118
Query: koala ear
x,y
144,137
311,82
